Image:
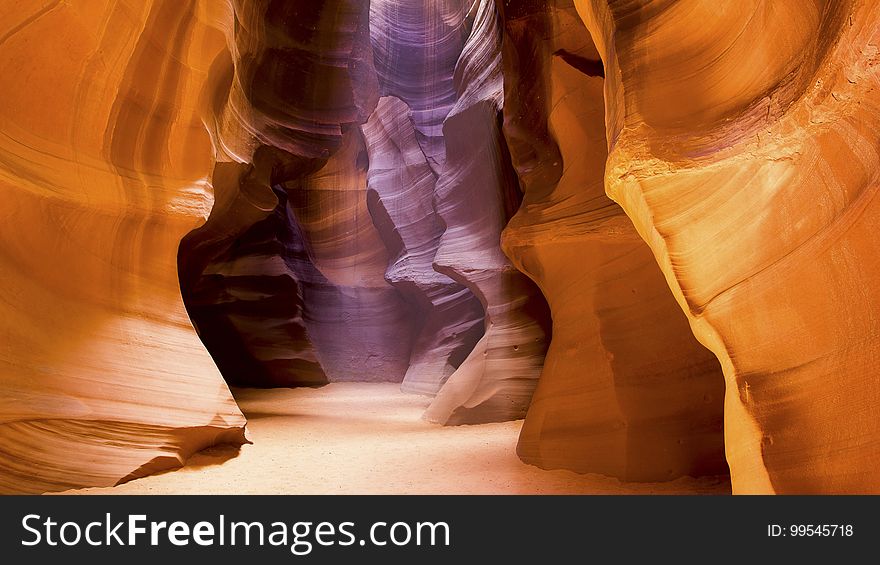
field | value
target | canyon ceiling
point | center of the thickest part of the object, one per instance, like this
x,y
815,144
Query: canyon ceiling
x,y
646,227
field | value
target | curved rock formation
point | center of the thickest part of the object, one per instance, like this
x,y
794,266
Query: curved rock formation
x,y
242,296
743,145
626,390
103,162
366,161
346,279
447,316
416,46
475,196
360,324
282,250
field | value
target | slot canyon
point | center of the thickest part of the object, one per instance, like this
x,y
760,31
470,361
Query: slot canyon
x,y
440,246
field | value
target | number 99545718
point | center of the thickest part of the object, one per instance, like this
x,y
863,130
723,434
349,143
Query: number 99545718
x,y
809,530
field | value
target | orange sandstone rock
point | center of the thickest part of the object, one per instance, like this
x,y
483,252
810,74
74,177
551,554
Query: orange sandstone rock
x,y
103,168
626,390
743,145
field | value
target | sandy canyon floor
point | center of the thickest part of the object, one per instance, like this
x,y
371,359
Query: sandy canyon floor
x,y
358,438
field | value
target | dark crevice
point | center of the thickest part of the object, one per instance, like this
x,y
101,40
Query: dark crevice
x,y
590,67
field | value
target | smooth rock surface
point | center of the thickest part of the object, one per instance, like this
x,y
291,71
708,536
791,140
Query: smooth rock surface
x,y
360,324
626,390
103,167
743,145
476,195
285,280
448,318
396,190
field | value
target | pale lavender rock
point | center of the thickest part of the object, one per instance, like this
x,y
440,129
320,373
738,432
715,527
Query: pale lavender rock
x,y
475,196
416,45
360,324
449,318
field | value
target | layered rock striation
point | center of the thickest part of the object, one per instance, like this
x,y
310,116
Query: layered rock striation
x,y
743,145
447,317
362,238
103,167
475,196
284,281
626,390
409,191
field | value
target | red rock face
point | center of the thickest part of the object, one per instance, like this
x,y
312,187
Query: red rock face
x,y
620,343
103,161
410,191
746,157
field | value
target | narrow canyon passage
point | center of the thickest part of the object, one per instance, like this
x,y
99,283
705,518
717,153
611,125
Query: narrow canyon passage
x,y
440,246
423,246
356,438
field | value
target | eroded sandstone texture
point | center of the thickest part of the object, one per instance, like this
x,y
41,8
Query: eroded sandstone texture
x,y
396,190
415,48
366,183
626,390
102,167
449,318
476,194
743,145
285,281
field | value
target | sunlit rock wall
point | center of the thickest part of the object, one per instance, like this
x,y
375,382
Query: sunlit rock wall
x,y
626,390
327,185
743,145
447,317
415,49
103,168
